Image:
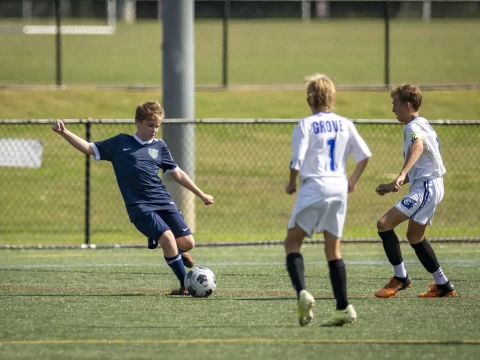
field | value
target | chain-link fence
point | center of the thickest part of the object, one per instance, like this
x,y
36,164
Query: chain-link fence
x,y
47,185
237,42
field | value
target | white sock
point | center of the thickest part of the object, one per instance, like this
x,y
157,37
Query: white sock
x,y
400,271
439,277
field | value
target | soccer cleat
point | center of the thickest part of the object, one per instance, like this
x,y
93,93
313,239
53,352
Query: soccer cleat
x,y
187,260
438,291
341,317
152,244
393,287
180,292
305,304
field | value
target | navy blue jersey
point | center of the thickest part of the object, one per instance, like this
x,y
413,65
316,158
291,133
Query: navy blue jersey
x,y
136,164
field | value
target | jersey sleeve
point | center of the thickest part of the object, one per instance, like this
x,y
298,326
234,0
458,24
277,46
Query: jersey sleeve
x,y
413,132
358,147
299,145
168,164
105,149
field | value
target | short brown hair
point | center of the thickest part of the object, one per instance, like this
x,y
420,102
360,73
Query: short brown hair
x,y
150,110
320,90
408,93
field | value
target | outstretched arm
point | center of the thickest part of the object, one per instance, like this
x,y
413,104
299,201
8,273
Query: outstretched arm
x,y
183,179
76,141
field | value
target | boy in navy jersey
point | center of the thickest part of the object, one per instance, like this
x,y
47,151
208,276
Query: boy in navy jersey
x,y
136,161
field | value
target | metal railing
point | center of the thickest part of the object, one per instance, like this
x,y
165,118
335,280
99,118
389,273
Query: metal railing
x,y
67,200
363,44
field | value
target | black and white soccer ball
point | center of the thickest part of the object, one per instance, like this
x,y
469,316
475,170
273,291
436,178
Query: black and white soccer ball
x,y
200,282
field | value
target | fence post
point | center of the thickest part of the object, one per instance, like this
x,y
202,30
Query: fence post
x,y
179,97
427,10
387,43
306,11
87,185
58,42
226,16
322,9
26,9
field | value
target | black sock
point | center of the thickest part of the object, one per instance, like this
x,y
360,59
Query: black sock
x,y
426,255
391,246
296,269
338,278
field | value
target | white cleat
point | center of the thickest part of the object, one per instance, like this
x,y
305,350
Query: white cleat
x,y
341,317
305,305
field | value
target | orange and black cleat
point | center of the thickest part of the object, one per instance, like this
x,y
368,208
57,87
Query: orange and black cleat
x,y
393,287
438,291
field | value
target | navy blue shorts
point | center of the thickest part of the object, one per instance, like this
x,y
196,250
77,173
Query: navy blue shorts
x,y
155,223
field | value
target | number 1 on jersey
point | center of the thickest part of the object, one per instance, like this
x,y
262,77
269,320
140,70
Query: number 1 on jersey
x,y
331,143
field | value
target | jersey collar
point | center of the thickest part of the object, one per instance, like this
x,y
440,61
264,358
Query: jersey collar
x,y
143,142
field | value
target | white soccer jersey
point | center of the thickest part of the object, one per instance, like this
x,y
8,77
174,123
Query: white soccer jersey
x,y
430,164
322,143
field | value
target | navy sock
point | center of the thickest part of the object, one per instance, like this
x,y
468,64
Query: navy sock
x,y
176,264
338,278
296,269
391,246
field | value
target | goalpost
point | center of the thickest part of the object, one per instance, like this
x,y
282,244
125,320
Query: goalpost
x,y
108,29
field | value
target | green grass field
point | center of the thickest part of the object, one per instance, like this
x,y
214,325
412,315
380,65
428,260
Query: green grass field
x,y
46,205
86,304
260,52
113,303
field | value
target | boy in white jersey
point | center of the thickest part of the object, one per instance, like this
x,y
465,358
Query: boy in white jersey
x,y
321,144
424,169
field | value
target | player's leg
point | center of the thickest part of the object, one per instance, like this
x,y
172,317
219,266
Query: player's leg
x,y
385,226
430,194
296,269
425,253
173,260
153,227
183,235
345,313
186,243
295,265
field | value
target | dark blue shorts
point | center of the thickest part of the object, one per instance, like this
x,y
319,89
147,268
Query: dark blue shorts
x,y
155,223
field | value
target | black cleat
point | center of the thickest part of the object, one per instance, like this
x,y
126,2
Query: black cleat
x,y
152,244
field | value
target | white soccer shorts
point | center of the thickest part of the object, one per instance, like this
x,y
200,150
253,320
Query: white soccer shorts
x,y
422,200
321,205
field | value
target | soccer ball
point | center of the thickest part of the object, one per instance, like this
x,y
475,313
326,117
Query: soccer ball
x,y
200,282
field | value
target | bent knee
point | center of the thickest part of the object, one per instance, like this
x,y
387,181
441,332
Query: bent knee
x,y
415,238
382,225
186,243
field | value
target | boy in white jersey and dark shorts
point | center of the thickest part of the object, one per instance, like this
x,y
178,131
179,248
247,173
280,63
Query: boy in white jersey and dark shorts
x,y
424,169
137,160
321,145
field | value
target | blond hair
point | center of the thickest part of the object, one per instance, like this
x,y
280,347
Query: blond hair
x,y
150,110
408,93
320,91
